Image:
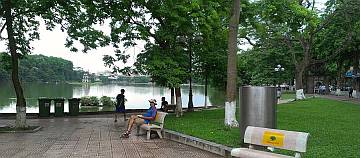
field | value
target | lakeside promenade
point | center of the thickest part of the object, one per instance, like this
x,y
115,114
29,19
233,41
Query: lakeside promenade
x,y
88,136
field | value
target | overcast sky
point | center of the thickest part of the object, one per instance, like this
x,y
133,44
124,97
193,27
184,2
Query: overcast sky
x,y
51,43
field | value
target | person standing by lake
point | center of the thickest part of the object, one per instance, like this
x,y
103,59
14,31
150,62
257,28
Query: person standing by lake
x,y
120,105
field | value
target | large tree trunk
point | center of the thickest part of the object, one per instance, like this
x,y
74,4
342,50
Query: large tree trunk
x,y
299,72
178,109
230,103
339,78
20,100
172,96
327,83
355,72
309,84
206,90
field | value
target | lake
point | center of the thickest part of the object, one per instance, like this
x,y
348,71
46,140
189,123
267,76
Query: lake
x,y
136,95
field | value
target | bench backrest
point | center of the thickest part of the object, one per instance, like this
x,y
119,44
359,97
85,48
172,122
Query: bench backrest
x,y
160,117
289,140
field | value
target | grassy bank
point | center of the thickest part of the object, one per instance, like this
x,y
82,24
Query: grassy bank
x,y
334,126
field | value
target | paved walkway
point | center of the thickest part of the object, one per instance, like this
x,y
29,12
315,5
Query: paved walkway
x,y
88,137
340,98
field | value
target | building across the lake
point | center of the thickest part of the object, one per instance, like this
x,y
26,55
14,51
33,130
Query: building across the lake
x,y
85,78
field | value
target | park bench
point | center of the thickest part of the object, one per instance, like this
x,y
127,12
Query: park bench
x,y
170,107
271,138
156,125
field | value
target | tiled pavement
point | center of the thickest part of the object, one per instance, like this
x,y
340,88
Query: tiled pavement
x,y
341,98
88,137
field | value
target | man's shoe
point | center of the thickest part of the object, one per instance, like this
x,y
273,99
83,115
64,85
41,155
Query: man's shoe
x,y
125,135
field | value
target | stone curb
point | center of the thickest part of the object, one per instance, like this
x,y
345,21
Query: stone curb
x,y
25,131
198,143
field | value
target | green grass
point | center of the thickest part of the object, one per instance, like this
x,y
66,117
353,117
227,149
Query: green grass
x,y
9,128
291,95
286,96
334,126
207,124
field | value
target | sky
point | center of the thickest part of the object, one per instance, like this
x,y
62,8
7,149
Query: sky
x,y
51,43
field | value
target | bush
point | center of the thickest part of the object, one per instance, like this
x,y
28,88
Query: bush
x,y
106,101
84,101
89,101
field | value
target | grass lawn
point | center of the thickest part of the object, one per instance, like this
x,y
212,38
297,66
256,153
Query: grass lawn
x,y
291,95
14,129
286,96
334,126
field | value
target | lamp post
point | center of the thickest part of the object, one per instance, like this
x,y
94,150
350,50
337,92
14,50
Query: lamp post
x,y
189,40
278,69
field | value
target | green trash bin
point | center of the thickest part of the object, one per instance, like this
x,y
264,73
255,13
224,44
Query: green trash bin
x,y
44,107
59,107
74,106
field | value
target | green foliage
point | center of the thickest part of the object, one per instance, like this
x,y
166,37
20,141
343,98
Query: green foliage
x,y
4,66
297,36
10,129
256,67
332,134
40,68
106,101
89,101
158,23
195,27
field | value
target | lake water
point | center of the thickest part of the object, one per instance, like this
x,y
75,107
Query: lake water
x,y
136,95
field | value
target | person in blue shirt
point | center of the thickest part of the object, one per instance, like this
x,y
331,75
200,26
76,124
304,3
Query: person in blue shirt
x,y
141,119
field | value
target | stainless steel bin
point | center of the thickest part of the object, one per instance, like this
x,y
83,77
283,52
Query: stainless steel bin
x,y
257,107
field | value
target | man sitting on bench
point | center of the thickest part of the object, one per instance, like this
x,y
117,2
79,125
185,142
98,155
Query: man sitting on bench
x,y
141,119
164,104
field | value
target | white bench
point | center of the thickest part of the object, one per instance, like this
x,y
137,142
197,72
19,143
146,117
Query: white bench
x,y
156,125
281,139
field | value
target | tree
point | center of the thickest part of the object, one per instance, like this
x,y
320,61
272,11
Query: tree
x,y
345,22
17,43
298,26
230,103
21,20
159,24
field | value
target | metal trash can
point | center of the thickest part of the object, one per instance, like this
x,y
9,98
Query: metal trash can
x,y
257,107
59,107
74,106
44,107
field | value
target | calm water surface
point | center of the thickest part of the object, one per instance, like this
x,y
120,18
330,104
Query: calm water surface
x,y
136,95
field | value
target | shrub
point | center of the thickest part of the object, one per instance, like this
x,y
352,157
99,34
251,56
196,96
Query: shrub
x,y
89,101
94,101
106,101
85,101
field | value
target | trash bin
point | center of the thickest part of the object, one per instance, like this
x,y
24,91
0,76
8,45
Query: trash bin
x,y
257,107
59,107
74,106
44,107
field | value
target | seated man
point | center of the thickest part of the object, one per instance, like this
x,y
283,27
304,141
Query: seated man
x,y
164,104
141,119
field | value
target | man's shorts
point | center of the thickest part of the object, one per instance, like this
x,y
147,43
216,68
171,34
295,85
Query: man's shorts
x,y
139,121
120,109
